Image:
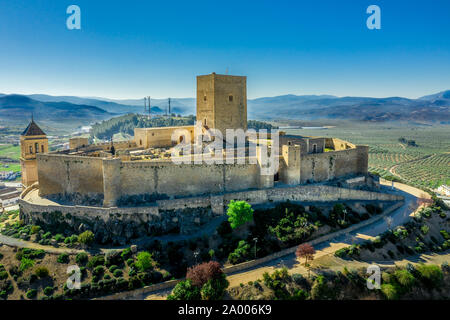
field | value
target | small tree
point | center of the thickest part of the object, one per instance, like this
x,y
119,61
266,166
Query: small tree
x,y
307,251
201,273
185,290
144,261
239,212
209,278
86,237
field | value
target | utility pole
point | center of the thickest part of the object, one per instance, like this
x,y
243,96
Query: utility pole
x,y
145,105
149,108
169,107
256,240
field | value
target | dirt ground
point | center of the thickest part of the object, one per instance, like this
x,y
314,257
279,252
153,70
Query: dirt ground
x,y
57,277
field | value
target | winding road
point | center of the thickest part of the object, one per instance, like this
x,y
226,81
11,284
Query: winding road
x,y
398,217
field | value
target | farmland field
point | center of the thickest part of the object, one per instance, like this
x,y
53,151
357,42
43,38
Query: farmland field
x,y
425,165
10,151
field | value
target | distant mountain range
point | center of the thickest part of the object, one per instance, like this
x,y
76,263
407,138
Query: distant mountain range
x,y
431,108
17,107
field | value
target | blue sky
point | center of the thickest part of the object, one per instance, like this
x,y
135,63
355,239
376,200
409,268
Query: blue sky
x,y
129,49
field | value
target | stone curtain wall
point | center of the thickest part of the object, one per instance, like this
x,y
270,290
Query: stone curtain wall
x,y
335,164
59,174
181,215
166,178
110,180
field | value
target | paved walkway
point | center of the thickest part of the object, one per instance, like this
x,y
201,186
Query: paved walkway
x,y
13,242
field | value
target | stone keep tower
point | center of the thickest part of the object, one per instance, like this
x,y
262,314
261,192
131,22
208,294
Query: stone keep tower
x,y
222,101
32,141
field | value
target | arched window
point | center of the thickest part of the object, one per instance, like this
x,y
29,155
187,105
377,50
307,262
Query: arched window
x,y
230,98
42,148
31,149
36,147
140,142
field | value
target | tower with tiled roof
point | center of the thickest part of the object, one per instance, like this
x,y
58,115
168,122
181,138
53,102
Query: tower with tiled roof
x,y
32,141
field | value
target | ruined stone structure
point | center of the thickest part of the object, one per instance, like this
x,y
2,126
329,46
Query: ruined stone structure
x,y
141,171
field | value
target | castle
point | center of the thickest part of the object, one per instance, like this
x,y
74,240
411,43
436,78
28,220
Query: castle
x,y
140,173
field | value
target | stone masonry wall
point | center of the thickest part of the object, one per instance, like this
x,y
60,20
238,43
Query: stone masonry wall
x,y
178,215
335,164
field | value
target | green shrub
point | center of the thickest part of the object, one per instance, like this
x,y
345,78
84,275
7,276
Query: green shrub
x,y
130,262
47,235
41,272
98,270
95,261
389,291
430,274
214,288
71,240
81,258
26,263
113,268
184,290
29,254
59,237
48,291
126,254
240,254
404,278
400,232
117,273
34,229
144,261
445,234
3,275
300,294
341,253
134,283
63,258
31,293
298,278
424,229
113,257
87,237
320,289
